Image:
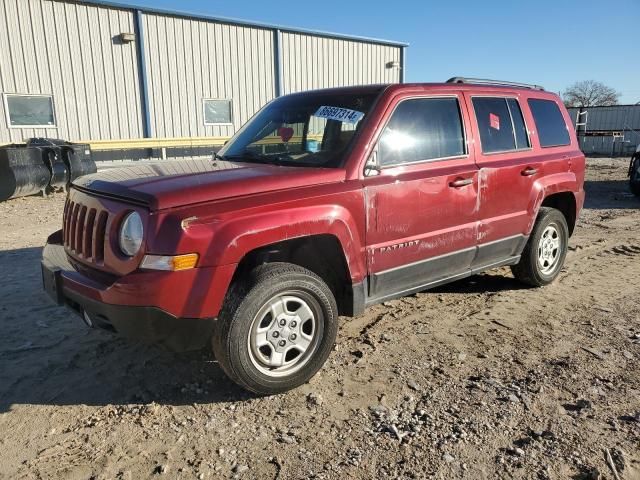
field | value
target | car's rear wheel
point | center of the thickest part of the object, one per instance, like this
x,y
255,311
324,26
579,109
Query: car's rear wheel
x,y
545,251
276,329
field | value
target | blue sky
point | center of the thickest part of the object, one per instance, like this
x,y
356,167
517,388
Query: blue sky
x,y
549,42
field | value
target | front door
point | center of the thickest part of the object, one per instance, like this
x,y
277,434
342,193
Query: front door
x,y
421,207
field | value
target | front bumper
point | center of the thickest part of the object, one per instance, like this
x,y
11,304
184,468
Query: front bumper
x,y
131,306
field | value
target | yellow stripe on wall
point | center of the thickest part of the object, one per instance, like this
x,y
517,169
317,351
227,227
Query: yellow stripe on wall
x,y
139,143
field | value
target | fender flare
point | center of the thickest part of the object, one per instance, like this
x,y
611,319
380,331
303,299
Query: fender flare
x,y
233,239
564,182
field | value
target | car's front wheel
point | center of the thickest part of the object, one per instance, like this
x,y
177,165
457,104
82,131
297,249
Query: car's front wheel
x,y
276,329
546,249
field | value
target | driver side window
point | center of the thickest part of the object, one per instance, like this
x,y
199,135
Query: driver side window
x,y
422,129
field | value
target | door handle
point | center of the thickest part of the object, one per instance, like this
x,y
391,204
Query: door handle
x,y
527,172
461,182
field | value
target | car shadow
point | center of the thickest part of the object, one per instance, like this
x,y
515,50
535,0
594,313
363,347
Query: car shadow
x,y
48,356
490,282
609,194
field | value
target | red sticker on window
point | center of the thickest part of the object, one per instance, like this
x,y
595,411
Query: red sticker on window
x,y
494,121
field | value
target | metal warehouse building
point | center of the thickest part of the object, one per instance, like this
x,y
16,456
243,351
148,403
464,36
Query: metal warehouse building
x,y
102,72
610,131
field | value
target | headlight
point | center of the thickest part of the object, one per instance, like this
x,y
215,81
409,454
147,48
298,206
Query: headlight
x,y
130,237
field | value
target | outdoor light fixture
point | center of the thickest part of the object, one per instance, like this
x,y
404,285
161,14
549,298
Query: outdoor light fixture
x,y
127,37
394,64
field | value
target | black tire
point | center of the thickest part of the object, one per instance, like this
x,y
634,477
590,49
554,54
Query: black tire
x,y
634,181
251,295
529,270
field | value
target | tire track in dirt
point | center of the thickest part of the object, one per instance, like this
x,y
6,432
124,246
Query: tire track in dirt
x,y
483,363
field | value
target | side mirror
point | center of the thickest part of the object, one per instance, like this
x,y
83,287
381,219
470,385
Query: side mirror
x,y
372,167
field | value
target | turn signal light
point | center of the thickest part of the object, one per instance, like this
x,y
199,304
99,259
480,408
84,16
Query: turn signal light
x,y
170,262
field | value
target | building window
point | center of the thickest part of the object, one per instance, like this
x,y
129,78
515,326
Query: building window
x,y
30,111
552,131
217,112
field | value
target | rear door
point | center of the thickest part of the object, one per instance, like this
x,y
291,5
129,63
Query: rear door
x,y
421,207
508,168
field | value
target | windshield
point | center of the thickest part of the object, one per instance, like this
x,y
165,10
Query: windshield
x,y
311,130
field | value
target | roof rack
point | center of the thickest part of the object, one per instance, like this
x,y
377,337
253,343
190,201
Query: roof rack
x,y
484,81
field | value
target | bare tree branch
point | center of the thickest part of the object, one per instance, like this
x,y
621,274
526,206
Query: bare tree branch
x,y
590,93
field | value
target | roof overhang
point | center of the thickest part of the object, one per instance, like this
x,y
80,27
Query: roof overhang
x,y
235,21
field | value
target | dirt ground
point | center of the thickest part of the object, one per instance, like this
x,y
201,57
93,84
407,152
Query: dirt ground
x,y
477,379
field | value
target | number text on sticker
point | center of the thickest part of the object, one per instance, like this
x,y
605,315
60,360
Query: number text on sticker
x,y
339,114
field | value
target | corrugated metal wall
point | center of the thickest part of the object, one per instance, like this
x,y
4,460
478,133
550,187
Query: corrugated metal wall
x,y
72,51
189,60
238,63
610,146
613,118
310,62
624,119
69,51
618,117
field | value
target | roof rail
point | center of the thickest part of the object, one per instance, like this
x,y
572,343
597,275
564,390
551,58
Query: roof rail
x,y
484,81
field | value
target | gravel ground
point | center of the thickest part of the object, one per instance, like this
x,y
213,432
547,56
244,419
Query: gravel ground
x,y
477,379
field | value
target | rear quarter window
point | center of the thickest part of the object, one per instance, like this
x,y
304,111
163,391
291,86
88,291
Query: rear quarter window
x,y
552,130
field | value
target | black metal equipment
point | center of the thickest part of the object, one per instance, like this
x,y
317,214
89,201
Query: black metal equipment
x,y
22,172
77,158
42,165
634,174
52,158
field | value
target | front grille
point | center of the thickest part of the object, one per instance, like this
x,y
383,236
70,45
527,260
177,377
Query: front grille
x,y
84,231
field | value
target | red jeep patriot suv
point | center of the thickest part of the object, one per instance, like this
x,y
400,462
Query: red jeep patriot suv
x,y
324,203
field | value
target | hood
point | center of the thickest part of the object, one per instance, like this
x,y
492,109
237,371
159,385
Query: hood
x,y
174,183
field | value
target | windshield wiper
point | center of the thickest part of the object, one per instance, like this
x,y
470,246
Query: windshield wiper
x,y
262,158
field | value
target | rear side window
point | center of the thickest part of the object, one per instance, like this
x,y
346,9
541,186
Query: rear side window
x,y
422,129
552,131
501,124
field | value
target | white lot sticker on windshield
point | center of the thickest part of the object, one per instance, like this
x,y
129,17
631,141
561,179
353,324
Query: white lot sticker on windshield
x,y
339,114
